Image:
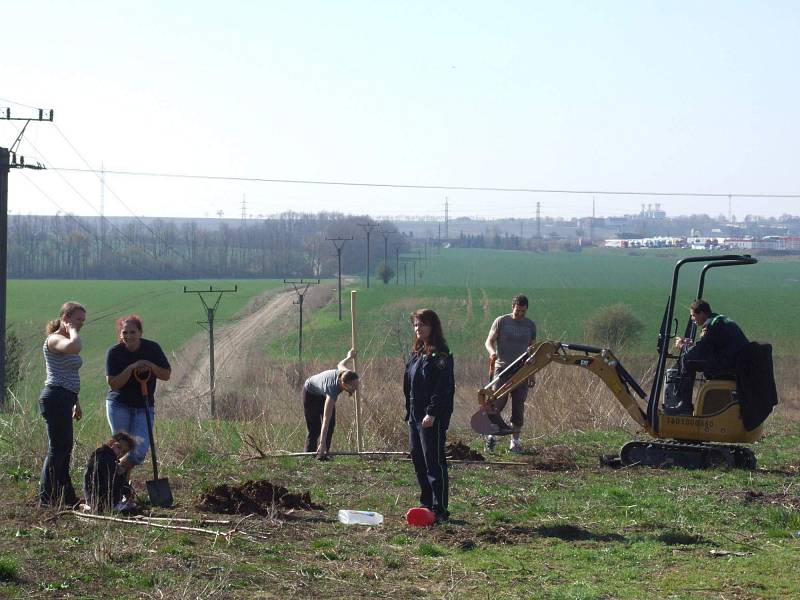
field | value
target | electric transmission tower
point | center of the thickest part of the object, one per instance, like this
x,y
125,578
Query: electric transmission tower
x,y
300,288
210,312
368,227
9,159
339,247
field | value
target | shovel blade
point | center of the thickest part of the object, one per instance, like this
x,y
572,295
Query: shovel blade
x,y
159,492
486,424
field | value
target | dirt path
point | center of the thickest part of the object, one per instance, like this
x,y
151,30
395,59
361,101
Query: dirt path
x,y
269,316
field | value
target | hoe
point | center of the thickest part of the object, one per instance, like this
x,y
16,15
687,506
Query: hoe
x,y
728,410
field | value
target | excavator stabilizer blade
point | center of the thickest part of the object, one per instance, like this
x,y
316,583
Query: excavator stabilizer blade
x,y
487,424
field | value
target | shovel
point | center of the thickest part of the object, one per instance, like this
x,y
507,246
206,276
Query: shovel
x,y
489,423
158,489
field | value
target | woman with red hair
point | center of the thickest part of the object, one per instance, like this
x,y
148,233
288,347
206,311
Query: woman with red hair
x,y
125,405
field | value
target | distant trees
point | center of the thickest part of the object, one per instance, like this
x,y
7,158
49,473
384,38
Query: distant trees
x,y
289,245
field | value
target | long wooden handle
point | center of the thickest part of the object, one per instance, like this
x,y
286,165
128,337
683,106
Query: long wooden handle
x,y
354,341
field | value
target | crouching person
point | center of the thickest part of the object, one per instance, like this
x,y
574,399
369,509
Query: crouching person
x,y
105,483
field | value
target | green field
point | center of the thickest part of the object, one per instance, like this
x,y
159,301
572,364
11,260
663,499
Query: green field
x,y
469,288
170,317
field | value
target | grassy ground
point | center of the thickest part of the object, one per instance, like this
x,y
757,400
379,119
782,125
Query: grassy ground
x,y
559,526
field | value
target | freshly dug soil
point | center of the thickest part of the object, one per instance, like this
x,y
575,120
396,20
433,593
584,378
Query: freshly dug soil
x,y
554,458
460,451
259,497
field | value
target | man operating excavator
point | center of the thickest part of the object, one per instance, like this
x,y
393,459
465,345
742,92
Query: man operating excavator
x,y
714,354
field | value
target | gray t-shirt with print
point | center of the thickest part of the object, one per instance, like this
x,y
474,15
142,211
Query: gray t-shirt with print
x,y
512,338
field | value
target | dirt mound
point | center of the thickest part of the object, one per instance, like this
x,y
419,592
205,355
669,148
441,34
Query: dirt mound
x,y
259,497
460,451
784,499
554,458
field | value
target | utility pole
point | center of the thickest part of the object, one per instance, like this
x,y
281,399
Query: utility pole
x,y
539,220
300,288
339,248
210,312
397,264
10,160
368,227
413,260
446,217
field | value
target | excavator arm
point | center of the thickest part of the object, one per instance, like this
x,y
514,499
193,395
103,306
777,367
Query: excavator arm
x,y
601,362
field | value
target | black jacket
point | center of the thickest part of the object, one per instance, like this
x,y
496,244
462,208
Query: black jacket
x,y
429,386
720,343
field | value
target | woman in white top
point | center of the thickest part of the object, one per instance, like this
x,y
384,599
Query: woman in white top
x,y
59,404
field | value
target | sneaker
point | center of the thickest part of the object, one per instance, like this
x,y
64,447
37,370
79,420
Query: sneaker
x,y
489,443
125,506
514,446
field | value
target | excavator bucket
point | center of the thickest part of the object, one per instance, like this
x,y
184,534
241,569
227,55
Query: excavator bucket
x,y
489,424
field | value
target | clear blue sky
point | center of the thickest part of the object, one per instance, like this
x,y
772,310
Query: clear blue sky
x,y
634,95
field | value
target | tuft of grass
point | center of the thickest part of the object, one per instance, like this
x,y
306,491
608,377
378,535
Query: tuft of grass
x,y
9,569
432,550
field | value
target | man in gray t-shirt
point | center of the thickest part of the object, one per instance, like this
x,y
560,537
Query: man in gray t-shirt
x,y
320,392
508,338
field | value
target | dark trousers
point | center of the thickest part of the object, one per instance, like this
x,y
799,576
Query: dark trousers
x,y
430,463
313,408
710,367
55,404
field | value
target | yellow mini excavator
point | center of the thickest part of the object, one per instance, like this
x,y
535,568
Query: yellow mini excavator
x,y
727,411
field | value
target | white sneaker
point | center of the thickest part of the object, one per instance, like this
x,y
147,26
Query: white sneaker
x,y
514,446
489,443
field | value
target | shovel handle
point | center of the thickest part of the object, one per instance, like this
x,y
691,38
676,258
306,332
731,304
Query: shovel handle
x,y
142,376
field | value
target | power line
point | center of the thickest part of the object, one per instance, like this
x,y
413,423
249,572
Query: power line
x,y
429,187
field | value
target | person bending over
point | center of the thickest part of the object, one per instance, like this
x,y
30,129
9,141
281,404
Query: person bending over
x,y
320,392
105,480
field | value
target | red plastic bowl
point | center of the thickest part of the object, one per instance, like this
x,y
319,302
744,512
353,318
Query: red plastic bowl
x,y
420,517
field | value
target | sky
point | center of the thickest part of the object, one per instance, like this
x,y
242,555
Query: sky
x,y
651,97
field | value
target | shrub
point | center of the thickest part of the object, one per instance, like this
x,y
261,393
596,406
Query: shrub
x,y
385,272
613,326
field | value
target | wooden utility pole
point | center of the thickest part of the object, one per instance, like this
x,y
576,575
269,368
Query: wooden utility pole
x,y
354,341
210,313
10,160
339,248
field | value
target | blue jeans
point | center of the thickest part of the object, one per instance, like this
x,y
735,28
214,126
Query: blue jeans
x,y
55,404
133,421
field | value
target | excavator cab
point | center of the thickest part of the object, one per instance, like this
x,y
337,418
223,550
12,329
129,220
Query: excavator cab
x,y
728,410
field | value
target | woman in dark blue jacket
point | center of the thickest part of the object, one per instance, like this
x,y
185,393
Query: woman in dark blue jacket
x,y
429,387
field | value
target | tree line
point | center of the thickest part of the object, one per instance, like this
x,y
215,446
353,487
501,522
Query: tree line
x,y
289,245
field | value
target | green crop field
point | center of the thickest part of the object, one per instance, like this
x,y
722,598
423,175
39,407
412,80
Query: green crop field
x,y
470,287
170,317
